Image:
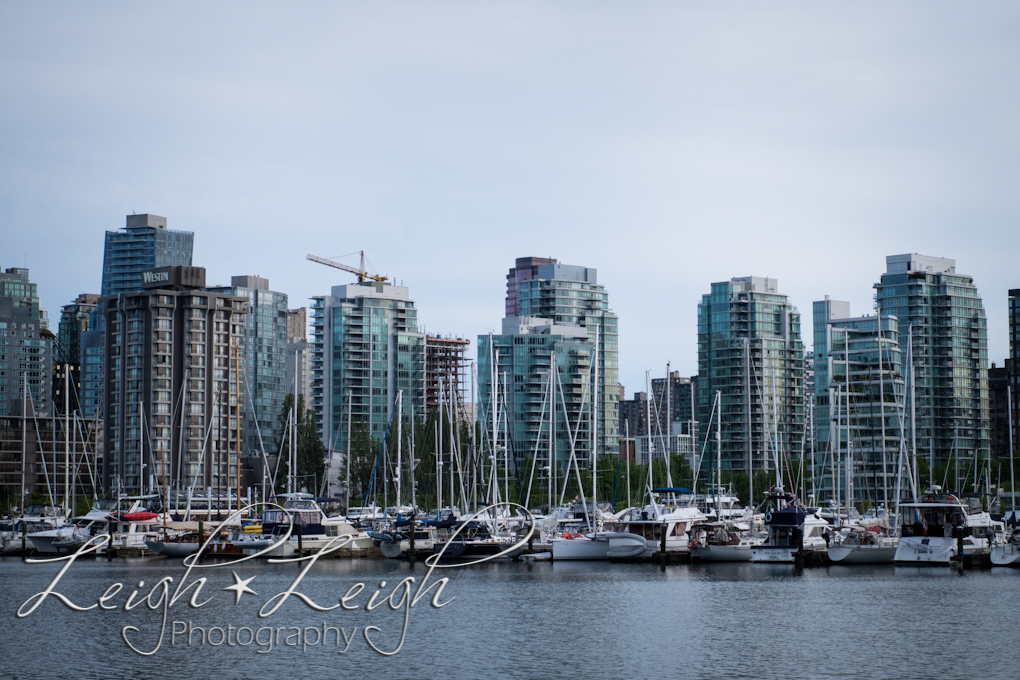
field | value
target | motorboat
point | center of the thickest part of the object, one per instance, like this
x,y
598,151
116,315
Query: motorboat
x,y
643,531
1007,552
791,531
311,528
938,527
724,542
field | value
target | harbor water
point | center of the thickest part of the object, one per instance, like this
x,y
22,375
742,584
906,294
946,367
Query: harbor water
x,y
511,620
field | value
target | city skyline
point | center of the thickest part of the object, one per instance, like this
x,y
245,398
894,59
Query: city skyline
x,y
668,147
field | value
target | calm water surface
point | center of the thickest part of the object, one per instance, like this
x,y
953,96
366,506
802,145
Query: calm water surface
x,y
513,620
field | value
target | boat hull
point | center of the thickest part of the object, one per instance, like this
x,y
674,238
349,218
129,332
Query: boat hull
x,y
1005,556
933,550
172,549
862,554
774,554
721,553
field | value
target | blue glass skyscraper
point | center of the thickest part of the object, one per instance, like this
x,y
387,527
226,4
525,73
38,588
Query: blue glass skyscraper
x,y
145,243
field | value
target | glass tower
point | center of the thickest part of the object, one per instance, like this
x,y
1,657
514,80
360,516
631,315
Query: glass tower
x,y
365,346
750,351
263,361
550,294
855,387
145,243
942,314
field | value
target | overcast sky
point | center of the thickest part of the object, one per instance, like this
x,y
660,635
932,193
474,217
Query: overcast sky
x,y
667,145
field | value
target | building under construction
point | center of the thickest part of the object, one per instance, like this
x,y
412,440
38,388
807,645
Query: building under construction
x,y
446,371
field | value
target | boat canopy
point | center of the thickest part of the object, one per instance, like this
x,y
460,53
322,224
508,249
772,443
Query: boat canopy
x,y
671,489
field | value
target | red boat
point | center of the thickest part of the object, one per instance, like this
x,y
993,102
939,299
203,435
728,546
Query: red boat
x,y
138,516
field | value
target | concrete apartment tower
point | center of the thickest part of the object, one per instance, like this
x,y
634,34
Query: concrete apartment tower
x,y
365,346
858,388
942,314
750,351
170,384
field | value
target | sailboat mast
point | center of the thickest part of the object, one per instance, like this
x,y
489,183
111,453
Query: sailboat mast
x,y
881,409
347,481
718,451
1012,482
913,404
400,435
648,426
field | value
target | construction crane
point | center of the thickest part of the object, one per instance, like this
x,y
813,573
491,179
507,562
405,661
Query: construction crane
x,y
361,273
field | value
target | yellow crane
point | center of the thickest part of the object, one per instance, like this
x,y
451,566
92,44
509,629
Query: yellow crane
x,y
361,273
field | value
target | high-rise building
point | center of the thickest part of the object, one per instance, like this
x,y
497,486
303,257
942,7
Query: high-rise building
x,y
14,284
525,269
25,347
858,403
942,315
74,320
1013,366
170,374
569,295
634,413
999,396
297,324
750,351
519,389
263,360
145,243
365,347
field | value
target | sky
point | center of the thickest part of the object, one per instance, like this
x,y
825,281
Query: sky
x,y
668,145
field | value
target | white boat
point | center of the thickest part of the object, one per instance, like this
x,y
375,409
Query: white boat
x,y
724,542
1007,553
791,530
928,526
596,545
642,532
860,546
312,528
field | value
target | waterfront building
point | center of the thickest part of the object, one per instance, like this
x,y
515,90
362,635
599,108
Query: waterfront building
x,y
49,443
263,360
941,312
750,351
445,371
365,346
858,401
170,384
297,324
515,370
570,296
25,347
